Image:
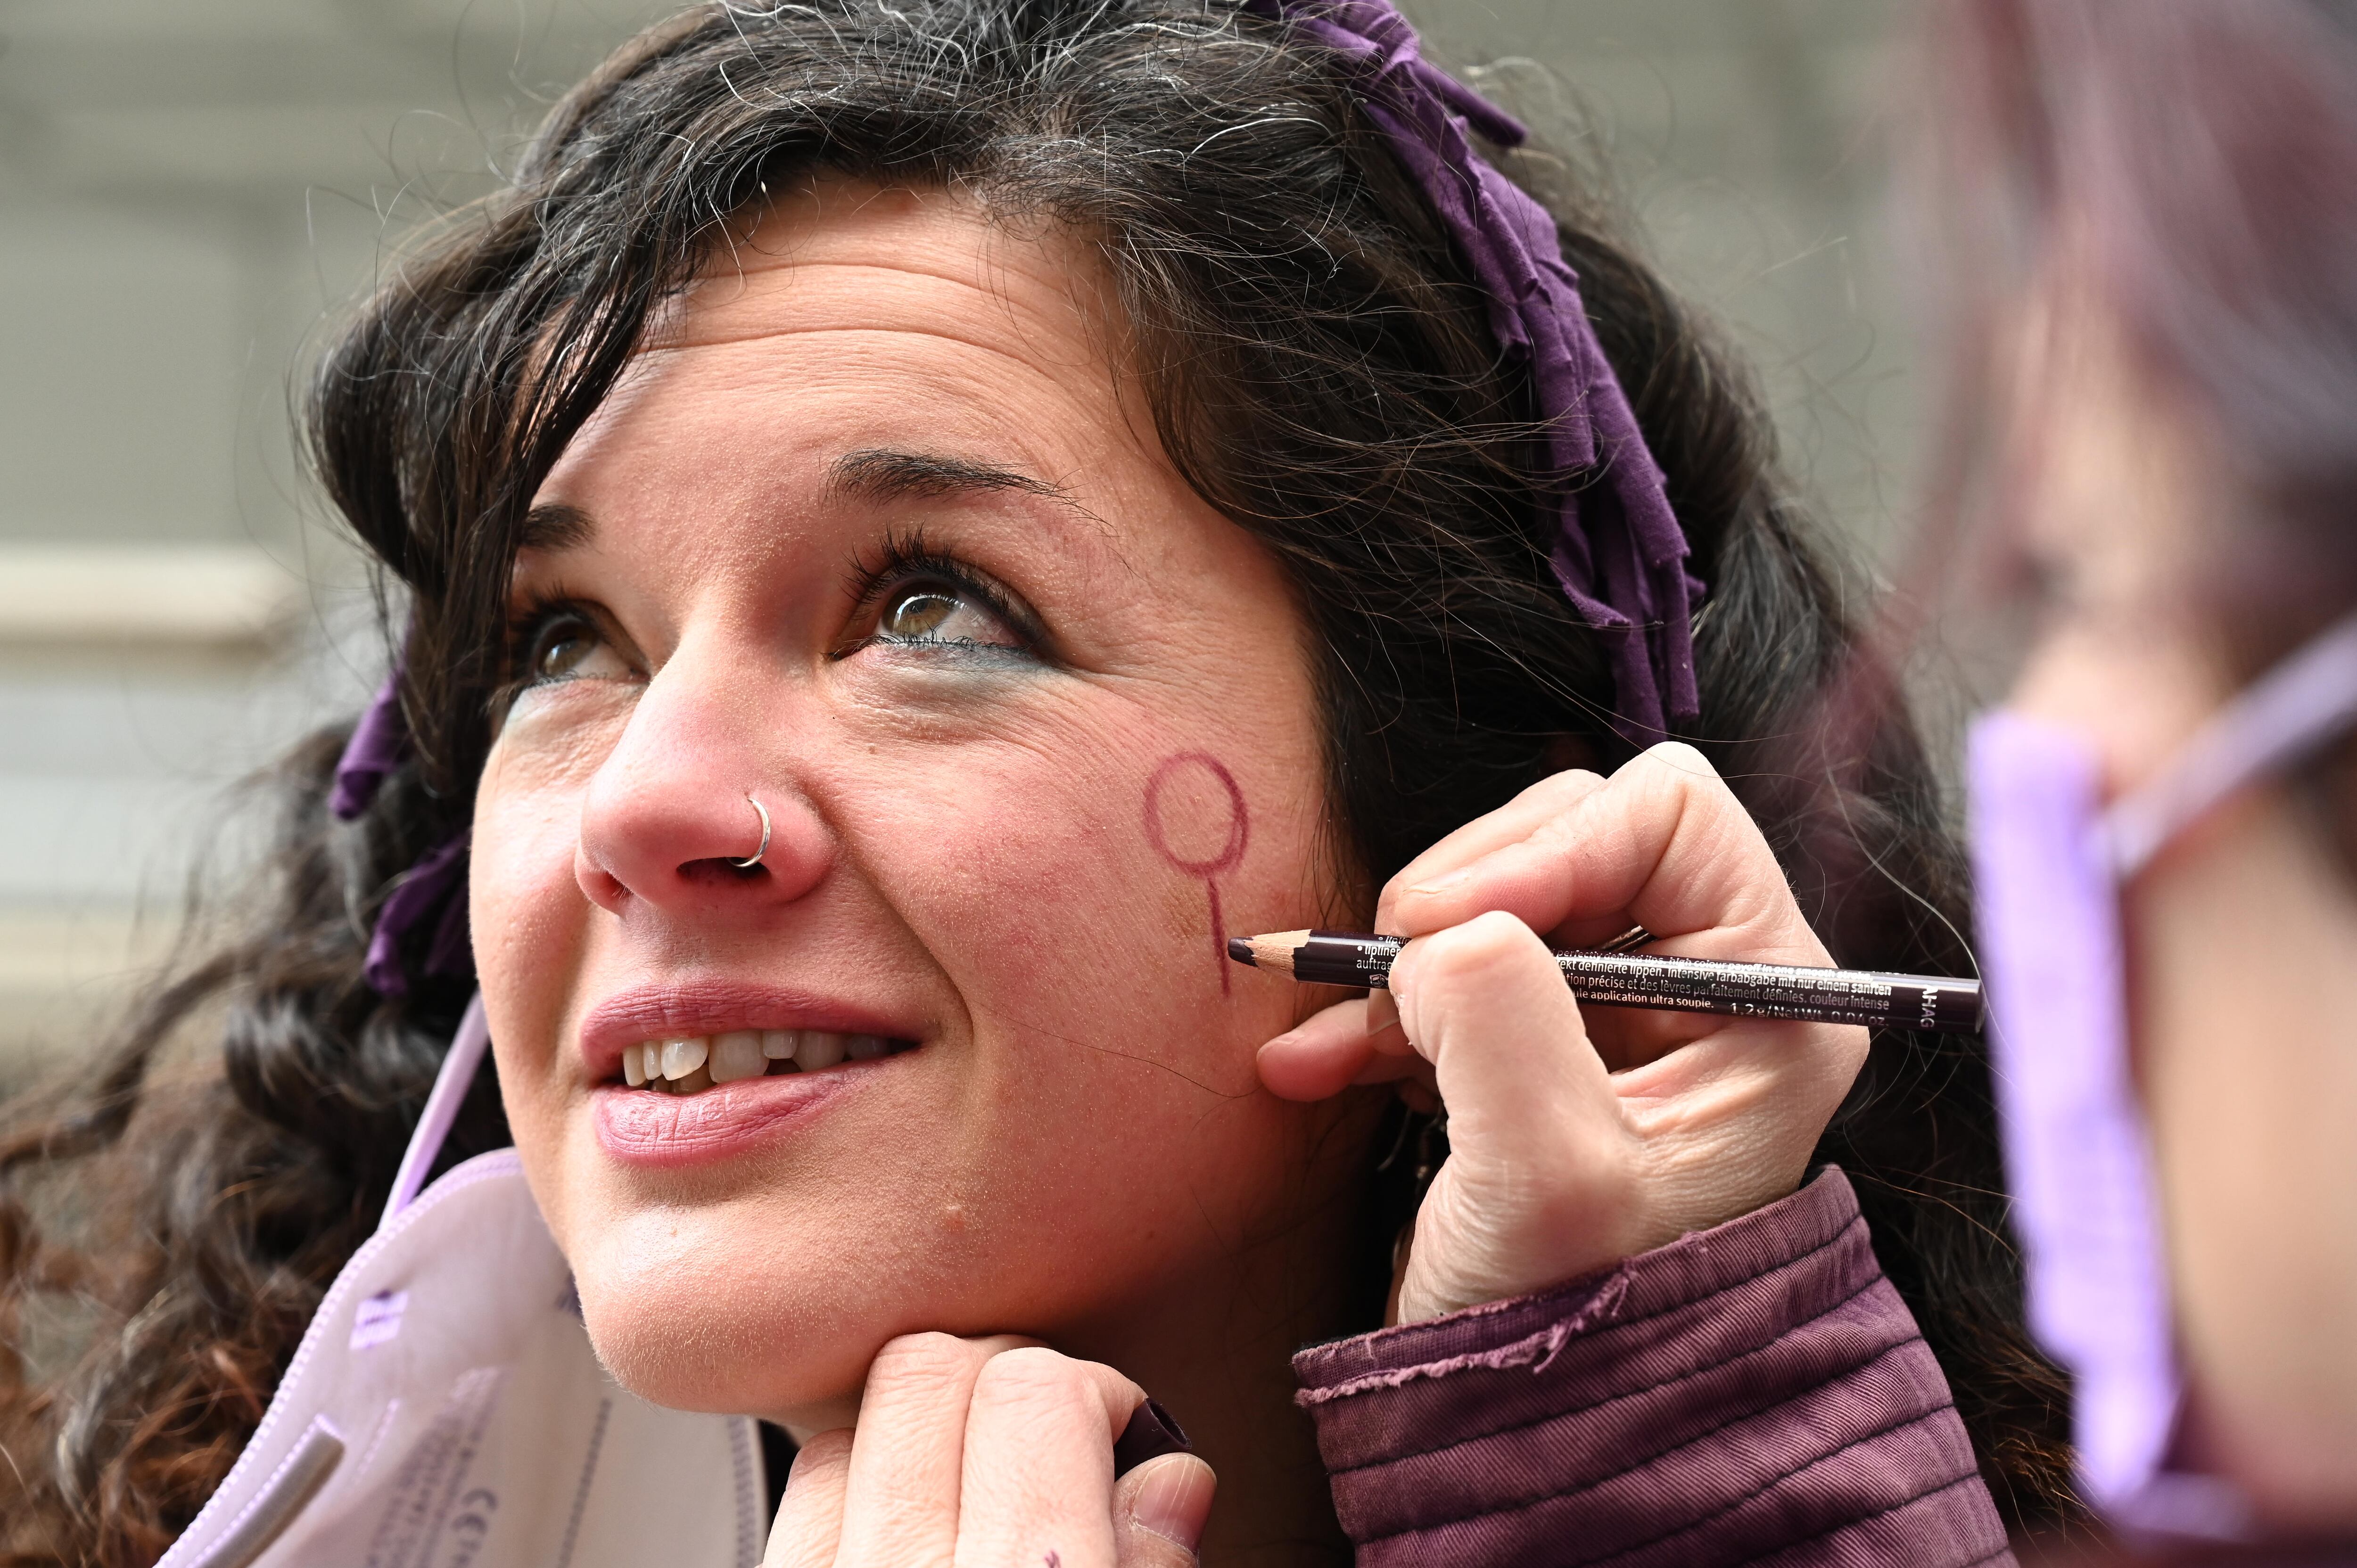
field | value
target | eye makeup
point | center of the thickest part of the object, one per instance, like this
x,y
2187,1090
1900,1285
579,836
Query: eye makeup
x,y
911,594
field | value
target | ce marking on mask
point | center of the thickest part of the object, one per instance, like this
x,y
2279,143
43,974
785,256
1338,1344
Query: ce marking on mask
x,y
1196,820
472,1525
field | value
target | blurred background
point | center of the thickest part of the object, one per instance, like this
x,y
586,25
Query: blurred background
x,y
192,192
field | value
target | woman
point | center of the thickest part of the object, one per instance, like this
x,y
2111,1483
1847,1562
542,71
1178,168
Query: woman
x,y
918,521
2169,431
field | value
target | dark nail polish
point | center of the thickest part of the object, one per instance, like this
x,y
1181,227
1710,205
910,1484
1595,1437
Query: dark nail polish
x,y
1152,1432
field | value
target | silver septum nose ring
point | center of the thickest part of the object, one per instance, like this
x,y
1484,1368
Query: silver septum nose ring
x,y
756,859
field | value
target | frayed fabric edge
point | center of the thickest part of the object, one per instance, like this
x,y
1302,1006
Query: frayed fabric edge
x,y
1536,1351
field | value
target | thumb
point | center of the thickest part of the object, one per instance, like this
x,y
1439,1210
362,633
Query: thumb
x,y
1541,1176
1159,1509
1485,1004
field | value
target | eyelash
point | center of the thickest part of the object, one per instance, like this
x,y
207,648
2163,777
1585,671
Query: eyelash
x,y
873,574
526,622
901,558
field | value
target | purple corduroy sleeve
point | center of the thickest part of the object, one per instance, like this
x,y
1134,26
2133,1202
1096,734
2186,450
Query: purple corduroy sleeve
x,y
1757,1393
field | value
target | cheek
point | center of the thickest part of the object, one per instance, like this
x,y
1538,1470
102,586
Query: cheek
x,y
530,924
2136,692
1093,903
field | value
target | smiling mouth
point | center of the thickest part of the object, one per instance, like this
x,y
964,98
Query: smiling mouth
x,y
692,1064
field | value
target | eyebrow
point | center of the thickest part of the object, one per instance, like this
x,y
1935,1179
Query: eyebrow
x,y
875,475
555,526
881,475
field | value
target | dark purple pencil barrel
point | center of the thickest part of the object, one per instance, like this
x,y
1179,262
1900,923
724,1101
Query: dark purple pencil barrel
x,y
1877,999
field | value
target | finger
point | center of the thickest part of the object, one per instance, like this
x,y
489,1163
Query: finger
x,y
1319,1057
1383,1033
1330,1050
1532,1116
1665,842
809,1520
1486,1005
900,1498
1159,1510
1509,823
1038,1478
1392,1056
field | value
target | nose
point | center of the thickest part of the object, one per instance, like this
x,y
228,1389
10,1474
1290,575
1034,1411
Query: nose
x,y
684,800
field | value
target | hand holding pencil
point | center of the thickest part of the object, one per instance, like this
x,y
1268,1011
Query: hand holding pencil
x,y
1578,1138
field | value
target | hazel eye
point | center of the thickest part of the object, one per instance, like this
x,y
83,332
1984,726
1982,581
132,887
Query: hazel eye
x,y
931,609
559,654
569,647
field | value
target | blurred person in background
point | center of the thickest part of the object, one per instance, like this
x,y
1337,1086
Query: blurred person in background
x,y
2151,217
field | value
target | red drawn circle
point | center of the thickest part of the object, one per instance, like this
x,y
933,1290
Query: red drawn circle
x,y
1239,825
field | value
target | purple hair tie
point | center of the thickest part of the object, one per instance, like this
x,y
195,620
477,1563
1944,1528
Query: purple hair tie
x,y
1620,555
379,744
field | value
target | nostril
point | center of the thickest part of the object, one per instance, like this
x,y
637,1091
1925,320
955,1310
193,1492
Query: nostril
x,y
717,872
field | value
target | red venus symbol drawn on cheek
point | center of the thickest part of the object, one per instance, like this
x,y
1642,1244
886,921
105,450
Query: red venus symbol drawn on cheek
x,y
1196,819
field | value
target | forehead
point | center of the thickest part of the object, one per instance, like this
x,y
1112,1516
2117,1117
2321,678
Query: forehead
x,y
2120,478
840,257
844,318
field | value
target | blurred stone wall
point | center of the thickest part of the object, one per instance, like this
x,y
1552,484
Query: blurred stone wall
x,y
192,190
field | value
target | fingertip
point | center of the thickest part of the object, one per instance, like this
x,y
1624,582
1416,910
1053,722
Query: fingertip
x,y
1167,1499
1295,1068
1318,1058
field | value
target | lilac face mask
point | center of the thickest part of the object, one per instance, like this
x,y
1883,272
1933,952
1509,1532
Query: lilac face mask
x,y
446,1409
2050,859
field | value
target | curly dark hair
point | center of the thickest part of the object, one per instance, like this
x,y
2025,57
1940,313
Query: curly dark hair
x,y
1320,368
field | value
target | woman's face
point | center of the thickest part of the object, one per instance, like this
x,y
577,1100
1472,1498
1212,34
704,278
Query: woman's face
x,y
874,534
2243,997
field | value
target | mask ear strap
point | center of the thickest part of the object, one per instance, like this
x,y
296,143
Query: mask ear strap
x,y
450,1086
2293,709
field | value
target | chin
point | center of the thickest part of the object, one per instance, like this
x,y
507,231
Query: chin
x,y
754,1309
688,1326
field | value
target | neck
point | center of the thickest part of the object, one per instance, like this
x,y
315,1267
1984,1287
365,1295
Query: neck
x,y
1217,1348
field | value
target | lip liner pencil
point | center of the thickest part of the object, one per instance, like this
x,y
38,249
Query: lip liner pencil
x,y
1639,980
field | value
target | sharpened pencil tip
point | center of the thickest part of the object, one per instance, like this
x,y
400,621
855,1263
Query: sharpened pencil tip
x,y
1240,949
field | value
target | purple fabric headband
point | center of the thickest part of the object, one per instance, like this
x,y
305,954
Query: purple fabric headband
x,y
1620,555
380,741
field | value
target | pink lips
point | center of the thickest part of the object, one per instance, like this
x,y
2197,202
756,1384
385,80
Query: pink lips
x,y
641,1128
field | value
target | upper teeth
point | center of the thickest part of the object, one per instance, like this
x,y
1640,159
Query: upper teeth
x,y
743,1053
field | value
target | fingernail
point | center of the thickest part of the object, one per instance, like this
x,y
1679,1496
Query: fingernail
x,y
1152,1432
1448,884
1174,1501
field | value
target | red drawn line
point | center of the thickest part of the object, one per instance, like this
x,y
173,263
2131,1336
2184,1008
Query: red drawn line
x,y
1231,852
1218,936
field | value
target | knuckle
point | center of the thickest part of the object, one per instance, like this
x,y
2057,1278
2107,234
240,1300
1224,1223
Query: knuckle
x,y
823,1451
1033,1367
1682,758
1032,1378
1478,946
920,1362
1564,789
